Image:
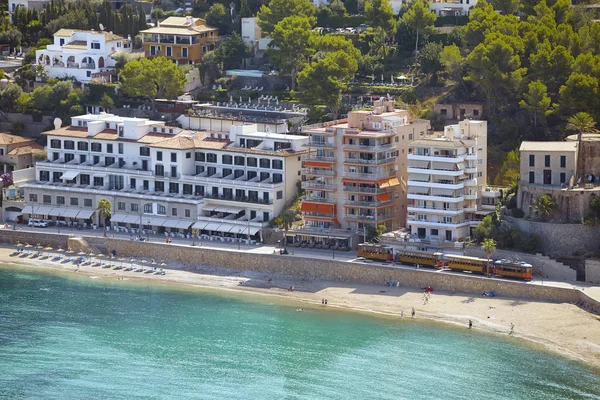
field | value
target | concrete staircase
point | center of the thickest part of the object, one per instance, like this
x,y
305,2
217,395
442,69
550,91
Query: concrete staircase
x,y
78,245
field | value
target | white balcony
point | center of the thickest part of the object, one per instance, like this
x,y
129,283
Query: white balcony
x,y
311,199
437,185
370,147
470,157
82,167
437,158
317,186
369,204
433,224
429,171
317,172
470,196
373,176
252,183
433,210
470,182
428,197
361,161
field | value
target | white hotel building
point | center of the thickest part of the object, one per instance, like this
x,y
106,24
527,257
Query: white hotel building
x,y
165,179
447,192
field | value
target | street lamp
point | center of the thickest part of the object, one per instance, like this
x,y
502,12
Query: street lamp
x,y
148,231
239,240
543,272
332,247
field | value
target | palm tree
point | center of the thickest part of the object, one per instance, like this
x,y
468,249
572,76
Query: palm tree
x,y
105,210
489,247
581,123
544,206
194,236
287,219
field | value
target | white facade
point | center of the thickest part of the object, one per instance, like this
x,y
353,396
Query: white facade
x,y
441,7
252,34
447,181
83,55
37,5
165,179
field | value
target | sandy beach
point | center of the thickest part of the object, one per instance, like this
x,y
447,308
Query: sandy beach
x,y
562,328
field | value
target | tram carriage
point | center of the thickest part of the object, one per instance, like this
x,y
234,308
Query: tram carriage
x,y
375,252
513,269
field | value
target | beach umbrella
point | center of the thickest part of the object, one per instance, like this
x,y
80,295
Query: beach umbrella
x,y
100,255
153,262
39,246
18,244
163,264
60,250
91,254
70,251
28,246
48,248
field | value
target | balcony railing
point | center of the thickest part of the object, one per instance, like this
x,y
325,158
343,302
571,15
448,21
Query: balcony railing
x,y
319,172
370,176
311,199
369,204
357,189
368,218
318,214
369,147
311,143
312,157
349,160
240,181
244,199
317,185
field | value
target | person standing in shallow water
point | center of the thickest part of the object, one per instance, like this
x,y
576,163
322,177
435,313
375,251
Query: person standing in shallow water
x,y
413,312
470,324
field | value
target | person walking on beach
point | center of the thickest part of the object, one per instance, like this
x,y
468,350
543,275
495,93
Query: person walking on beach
x,y
402,314
413,312
470,324
512,328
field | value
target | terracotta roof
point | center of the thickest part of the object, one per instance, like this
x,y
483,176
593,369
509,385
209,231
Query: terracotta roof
x,y
182,31
181,21
69,32
69,131
27,149
7,138
107,134
178,142
154,138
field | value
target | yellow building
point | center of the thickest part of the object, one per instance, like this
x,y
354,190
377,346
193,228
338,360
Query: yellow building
x,y
184,40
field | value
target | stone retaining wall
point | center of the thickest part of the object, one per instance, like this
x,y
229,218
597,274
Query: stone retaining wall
x,y
54,240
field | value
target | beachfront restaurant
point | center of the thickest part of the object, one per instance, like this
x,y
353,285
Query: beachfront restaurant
x,y
321,239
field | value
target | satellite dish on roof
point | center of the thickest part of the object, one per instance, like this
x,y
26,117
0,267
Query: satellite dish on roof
x,y
101,26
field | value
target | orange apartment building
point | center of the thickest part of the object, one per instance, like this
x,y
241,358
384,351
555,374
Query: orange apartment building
x,y
355,173
184,40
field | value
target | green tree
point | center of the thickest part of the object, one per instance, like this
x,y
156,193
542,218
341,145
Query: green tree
x,y
506,6
510,170
43,98
157,14
245,11
231,51
106,102
595,206
453,63
580,93
373,232
323,81
379,14
152,78
291,40
581,123
536,102
430,59
544,206
324,44
287,219
489,247
552,68
9,96
277,10
218,17
104,212
419,19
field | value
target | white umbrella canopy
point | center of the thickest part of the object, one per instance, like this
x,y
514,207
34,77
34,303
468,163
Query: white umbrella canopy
x,y
60,250
28,246
39,246
48,248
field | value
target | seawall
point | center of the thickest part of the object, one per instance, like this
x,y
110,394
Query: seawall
x,y
316,269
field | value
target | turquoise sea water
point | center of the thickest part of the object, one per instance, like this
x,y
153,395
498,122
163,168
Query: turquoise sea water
x,y
83,338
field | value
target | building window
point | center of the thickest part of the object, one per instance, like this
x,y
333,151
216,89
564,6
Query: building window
x,y
239,160
132,183
98,181
265,163
532,160
547,160
199,157
145,151
87,202
146,184
159,186
60,200
159,170
109,148
173,172
173,187
531,177
95,45
97,147
187,188
277,164
69,145
120,146
479,174
69,157
55,144
187,213
227,159
82,158
82,146
159,155
174,212
84,179
184,52
47,199
252,161
277,178
121,206
563,161
475,112
56,176
188,155
74,201
173,157
563,177
44,176
33,197
211,158
279,194
148,208
169,51
135,207
109,161
162,210
152,50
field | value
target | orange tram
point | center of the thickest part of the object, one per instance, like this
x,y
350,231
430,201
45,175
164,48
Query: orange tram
x,y
508,268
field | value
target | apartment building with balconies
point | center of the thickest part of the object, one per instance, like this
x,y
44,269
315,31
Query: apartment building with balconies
x,y
447,175
354,174
165,179
184,40
84,55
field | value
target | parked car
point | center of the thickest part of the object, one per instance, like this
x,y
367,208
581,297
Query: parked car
x,y
40,224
